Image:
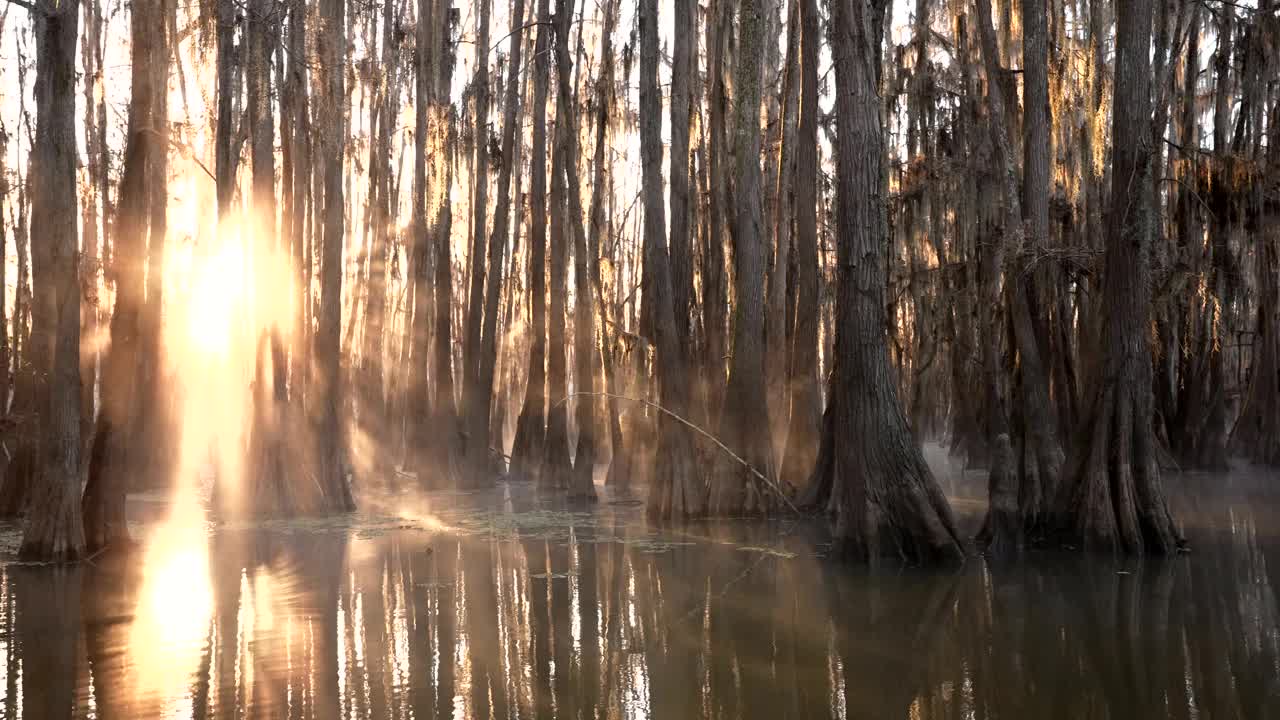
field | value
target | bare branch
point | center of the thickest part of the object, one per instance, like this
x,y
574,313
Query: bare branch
x,y
759,475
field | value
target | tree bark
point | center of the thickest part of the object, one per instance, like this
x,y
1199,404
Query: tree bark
x,y
582,479
676,489
531,426
1037,454
479,432
678,178
555,463
448,440
1111,498
1257,430
115,454
781,212
224,152
432,427
870,473
716,293
476,446
744,425
804,392
90,267
331,99
619,473
373,394
54,531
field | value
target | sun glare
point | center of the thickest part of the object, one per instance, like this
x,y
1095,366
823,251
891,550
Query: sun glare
x,y
174,606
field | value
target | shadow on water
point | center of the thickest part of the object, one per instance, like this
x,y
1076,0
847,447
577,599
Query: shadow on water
x,y
448,607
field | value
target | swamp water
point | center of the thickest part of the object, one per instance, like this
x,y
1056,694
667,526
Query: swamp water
x,y
501,605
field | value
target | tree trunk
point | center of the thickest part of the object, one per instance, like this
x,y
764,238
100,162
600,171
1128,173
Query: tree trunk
x,y
226,156
331,99
676,489
447,440
781,211
804,392
582,480
479,432
89,264
1036,452
151,433
1111,497
870,473
716,294
429,456
555,469
681,255
271,488
373,398
54,531
19,472
619,473
476,446
1257,431
744,426
531,427
115,454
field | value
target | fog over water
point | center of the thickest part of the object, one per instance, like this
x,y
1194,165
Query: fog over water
x,y
501,604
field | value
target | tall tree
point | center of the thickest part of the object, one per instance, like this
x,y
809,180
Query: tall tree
x,y
743,424
678,178
676,488
870,474
804,392
479,431
714,281
1111,497
295,182
780,211
1020,481
1257,432
271,485
531,426
582,481
111,460
385,83
447,439
331,99
619,474
478,454
94,94
555,458
54,531
225,150
432,426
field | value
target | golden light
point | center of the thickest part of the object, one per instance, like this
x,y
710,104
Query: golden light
x,y
174,609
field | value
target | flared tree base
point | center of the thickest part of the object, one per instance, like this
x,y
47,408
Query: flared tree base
x,y
1111,499
872,480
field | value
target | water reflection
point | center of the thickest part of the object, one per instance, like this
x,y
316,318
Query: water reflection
x,y
533,613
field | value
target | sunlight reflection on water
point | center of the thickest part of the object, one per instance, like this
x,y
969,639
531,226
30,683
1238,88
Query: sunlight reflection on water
x,y
454,610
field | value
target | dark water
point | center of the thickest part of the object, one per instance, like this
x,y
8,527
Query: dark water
x,y
433,609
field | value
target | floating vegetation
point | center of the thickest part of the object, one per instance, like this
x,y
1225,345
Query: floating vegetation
x,y
364,526
776,552
10,539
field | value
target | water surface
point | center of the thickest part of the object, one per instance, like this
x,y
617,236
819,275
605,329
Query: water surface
x,y
506,605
